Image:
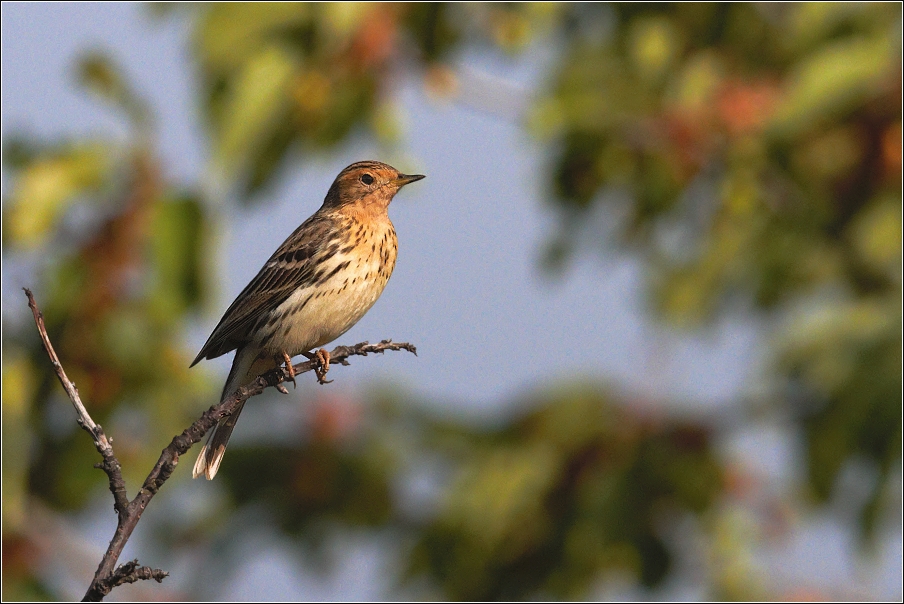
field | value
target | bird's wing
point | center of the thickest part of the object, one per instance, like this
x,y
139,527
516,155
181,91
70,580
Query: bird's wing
x,y
290,267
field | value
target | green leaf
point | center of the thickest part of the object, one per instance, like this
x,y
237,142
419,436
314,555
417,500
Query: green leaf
x,y
177,257
18,393
256,105
49,185
832,80
230,34
876,234
99,73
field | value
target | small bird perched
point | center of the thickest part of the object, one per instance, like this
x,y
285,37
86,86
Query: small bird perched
x,y
319,283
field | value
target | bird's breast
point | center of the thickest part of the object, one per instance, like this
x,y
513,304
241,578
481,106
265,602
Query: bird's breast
x,y
349,284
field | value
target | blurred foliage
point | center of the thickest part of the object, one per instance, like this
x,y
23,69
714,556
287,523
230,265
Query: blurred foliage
x,y
118,259
754,155
577,484
282,75
761,149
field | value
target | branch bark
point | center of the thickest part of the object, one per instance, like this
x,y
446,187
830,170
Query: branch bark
x,y
108,575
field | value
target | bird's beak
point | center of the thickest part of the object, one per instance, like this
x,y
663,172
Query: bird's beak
x,y
405,179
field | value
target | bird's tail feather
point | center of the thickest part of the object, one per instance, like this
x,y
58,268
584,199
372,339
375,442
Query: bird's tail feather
x,y
245,367
211,455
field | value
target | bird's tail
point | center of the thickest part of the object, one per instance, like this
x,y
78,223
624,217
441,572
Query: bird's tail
x,y
245,367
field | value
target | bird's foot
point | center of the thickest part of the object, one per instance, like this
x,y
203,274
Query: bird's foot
x,y
322,357
289,369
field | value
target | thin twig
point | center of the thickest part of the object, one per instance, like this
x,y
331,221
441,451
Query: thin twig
x,y
128,512
110,465
130,572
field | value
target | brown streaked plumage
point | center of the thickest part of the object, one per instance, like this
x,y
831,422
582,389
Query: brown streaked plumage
x,y
314,288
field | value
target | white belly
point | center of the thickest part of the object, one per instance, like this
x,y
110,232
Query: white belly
x,y
327,316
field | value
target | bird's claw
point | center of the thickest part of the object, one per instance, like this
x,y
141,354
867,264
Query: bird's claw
x,y
323,358
289,369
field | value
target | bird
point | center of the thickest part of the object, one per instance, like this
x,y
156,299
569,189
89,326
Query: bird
x,y
324,277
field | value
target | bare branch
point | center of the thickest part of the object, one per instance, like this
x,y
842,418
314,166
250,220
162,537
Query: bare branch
x,y
129,512
130,572
110,464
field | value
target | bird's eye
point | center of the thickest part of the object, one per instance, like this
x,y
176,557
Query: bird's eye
x,y
367,179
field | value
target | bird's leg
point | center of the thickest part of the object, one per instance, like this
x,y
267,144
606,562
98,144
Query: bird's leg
x,y
323,359
289,369
323,356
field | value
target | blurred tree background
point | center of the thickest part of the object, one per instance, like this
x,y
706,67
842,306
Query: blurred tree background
x,y
750,158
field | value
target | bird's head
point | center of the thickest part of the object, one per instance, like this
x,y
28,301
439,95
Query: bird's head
x,y
367,186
